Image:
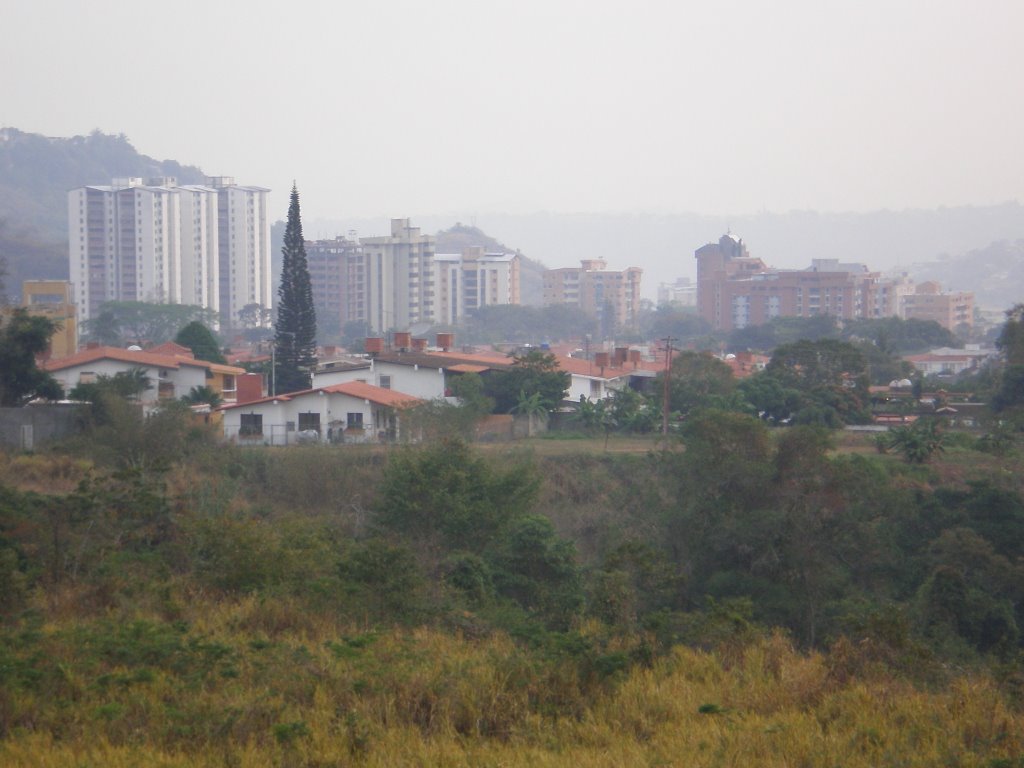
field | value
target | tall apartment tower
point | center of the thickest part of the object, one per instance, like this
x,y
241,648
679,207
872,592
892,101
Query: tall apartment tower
x,y
399,278
336,274
158,242
200,246
123,243
243,232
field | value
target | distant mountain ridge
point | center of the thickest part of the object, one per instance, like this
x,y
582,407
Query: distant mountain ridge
x,y
460,236
36,173
995,273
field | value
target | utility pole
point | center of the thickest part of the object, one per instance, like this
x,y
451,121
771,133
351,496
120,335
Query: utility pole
x,y
668,375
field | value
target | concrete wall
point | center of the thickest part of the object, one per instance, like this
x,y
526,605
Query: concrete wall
x,y
28,428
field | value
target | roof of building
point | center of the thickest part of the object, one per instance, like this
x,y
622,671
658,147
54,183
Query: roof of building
x,y
468,368
374,394
334,366
357,389
148,359
173,349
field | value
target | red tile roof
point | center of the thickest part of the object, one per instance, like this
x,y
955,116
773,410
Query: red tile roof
x,y
358,389
374,394
150,359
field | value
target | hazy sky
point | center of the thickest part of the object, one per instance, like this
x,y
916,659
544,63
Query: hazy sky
x,y
382,108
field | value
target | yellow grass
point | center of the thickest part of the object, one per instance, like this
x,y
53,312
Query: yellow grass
x,y
424,697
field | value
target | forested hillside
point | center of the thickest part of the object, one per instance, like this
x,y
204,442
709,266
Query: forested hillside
x,y
995,273
460,236
742,596
36,173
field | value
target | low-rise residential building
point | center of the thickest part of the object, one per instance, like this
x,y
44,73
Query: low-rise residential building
x,y
171,376
948,361
349,412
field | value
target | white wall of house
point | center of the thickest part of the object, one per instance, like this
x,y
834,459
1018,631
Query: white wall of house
x,y
426,383
593,388
338,418
177,381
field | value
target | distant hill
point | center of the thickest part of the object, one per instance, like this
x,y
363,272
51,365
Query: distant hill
x,y
995,273
461,236
947,244
36,173
662,244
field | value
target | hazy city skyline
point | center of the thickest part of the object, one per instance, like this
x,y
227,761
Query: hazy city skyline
x,y
403,108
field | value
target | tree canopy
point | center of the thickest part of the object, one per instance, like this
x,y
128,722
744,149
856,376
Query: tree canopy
x,y
139,321
22,338
696,380
295,330
533,373
201,341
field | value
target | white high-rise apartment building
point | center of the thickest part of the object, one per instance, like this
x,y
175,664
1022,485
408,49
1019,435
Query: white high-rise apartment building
x,y
124,243
200,249
160,242
398,276
244,245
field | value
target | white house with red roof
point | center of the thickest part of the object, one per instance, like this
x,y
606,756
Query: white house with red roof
x,y
951,362
172,371
349,412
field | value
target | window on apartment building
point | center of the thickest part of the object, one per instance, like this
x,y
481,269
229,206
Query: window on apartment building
x,y
595,388
251,425
354,421
384,381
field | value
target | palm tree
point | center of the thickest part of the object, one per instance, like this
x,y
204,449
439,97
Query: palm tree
x,y
203,394
531,406
918,442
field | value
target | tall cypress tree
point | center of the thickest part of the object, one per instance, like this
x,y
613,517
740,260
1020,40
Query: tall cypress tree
x,y
295,330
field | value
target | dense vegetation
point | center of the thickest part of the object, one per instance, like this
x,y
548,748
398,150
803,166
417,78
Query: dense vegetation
x,y
747,596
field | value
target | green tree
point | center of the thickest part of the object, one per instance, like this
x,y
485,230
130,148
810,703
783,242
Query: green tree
x,y
1010,394
104,329
769,398
918,442
22,338
254,315
444,495
128,384
469,388
698,380
667,320
893,335
204,394
141,321
295,330
537,569
1011,337
536,372
831,376
201,341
